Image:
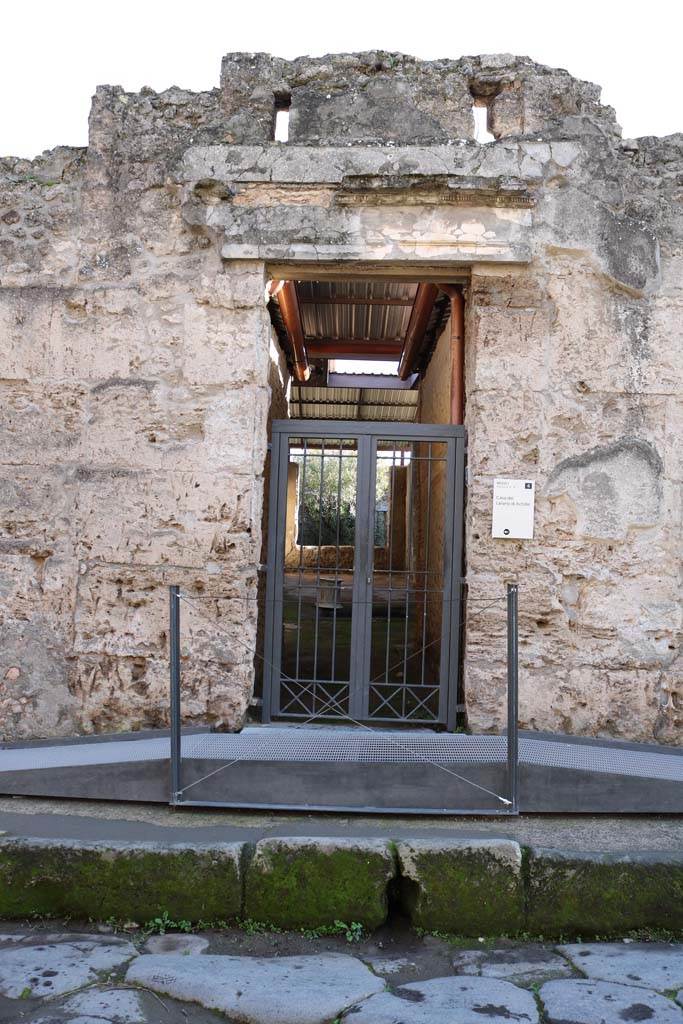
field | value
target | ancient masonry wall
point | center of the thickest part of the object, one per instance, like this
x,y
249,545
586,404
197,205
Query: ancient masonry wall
x,y
137,370
135,391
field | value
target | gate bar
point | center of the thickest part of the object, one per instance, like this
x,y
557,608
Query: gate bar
x,y
174,662
512,687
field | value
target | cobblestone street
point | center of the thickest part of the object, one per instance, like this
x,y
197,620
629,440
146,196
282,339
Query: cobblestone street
x,y
394,977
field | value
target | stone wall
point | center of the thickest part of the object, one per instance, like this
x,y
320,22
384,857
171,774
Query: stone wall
x,y
138,370
136,382
599,585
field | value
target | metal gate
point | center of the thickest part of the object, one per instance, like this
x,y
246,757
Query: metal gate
x,y
364,565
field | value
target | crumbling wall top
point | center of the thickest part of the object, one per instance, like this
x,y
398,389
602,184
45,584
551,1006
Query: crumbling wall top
x,y
379,97
348,99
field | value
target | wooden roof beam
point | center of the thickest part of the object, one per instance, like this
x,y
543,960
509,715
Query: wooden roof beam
x,y
425,298
341,348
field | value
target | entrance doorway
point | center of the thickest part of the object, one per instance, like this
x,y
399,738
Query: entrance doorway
x,y
364,562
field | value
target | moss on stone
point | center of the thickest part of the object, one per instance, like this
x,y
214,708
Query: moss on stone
x,y
123,881
603,894
481,888
468,888
310,883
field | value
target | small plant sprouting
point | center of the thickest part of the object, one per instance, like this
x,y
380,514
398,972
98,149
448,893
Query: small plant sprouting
x,y
353,932
165,923
252,927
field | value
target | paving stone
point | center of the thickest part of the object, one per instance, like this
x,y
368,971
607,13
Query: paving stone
x,y
602,1002
309,882
52,969
398,964
456,1000
56,1017
388,964
186,944
44,938
652,965
118,1005
114,1006
109,940
469,886
258,990
525,965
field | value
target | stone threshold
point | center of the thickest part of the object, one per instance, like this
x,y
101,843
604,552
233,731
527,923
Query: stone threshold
x,y
474,886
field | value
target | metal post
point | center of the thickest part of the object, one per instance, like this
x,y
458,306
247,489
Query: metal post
x,y
512,681
174,661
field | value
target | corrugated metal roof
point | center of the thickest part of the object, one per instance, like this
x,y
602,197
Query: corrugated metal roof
x,y
339,310
385,404
350,320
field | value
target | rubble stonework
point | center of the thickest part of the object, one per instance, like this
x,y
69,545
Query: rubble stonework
x,y
139,367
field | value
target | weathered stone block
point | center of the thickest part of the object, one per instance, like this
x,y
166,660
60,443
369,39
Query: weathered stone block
x,y
36,511
100,334
123,880
233,286
510,353
468,887
235,429
124,610
295,883
40,423
224,346
35,698
182,519
603,894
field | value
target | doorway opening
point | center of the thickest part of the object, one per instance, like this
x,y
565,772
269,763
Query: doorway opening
x,y
362,607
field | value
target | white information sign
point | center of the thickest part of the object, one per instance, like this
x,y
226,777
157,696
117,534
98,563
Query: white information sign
x,y
513,509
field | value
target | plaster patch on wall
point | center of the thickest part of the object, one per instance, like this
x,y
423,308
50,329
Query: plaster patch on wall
x,y
613,488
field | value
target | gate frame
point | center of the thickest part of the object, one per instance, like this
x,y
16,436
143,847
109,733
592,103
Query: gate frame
x,y
370,432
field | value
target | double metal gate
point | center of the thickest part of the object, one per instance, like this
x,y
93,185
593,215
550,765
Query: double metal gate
x,y
363,593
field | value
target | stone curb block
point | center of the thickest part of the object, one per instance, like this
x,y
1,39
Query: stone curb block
x,y
306,883
470,887
133,881
602,893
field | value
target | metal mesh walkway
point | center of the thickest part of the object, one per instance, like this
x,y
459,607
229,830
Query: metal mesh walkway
x,y
287,744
